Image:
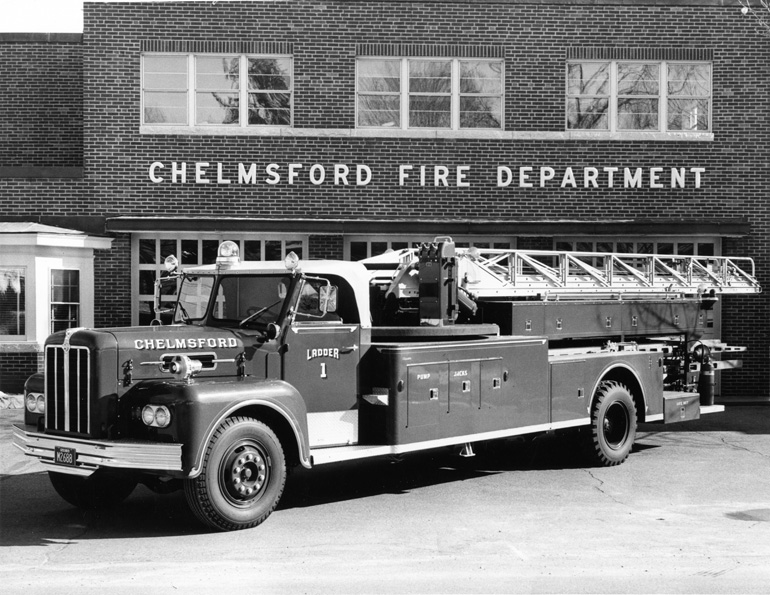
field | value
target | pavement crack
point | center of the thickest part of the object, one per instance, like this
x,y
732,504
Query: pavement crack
x,y
599,487
726,442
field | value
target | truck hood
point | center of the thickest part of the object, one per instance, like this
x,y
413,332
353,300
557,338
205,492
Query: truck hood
x,y
144,350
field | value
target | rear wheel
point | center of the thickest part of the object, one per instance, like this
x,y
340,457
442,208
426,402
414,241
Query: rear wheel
x,y
99,490
613,424
242,476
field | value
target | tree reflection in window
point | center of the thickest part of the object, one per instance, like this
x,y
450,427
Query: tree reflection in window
x,y
270,91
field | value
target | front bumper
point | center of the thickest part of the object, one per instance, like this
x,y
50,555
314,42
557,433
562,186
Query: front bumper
x,y
90,455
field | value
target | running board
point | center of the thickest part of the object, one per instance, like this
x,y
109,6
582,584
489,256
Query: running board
x,y
336,454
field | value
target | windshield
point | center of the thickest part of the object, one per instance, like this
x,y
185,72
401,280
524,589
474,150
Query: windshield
x,y
194,295
251,300
238,298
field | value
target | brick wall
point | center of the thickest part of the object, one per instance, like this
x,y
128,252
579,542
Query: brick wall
x,y
325,37
15,368
41,112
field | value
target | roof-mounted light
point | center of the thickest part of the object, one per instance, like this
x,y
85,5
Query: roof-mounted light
x,y
171,263
291,261
228,254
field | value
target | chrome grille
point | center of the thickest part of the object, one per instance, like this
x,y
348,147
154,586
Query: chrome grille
x,y
68,388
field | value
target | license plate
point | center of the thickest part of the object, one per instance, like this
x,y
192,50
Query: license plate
x,y
65,456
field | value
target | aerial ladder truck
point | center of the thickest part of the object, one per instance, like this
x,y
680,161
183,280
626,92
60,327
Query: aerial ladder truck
x,y
270,365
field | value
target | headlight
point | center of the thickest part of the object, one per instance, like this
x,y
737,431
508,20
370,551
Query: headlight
x,y
35,403
156,416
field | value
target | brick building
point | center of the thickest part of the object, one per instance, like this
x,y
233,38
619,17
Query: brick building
x,y
341,128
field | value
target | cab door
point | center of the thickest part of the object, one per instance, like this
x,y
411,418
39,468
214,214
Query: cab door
x,y
321,360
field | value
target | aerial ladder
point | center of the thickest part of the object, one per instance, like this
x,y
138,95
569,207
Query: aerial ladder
x,y
651,302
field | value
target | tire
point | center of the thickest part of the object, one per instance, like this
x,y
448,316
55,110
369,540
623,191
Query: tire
x,y
242,476
99,490
613,424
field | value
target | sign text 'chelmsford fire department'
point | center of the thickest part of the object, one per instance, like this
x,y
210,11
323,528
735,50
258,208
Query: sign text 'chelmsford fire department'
x,y
459,176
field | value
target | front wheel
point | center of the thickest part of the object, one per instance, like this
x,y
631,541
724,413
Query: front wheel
x,y
99,490
613,424
242,476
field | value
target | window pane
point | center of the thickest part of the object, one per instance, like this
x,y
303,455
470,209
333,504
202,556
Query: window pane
x,y
12,300
379,248
216,73
146,282
481,77
625,247
588,79
165,108
644,247
216,108
665,248
429,76
706,249
357,251
210,248
638,79
429,112
189,252
270,74
588,114
273,250
294,246
685,249
165,72
252,250
146,251
637,114
270,109
379,76
379,110
689,80
480,112
688,114
167,248
64,316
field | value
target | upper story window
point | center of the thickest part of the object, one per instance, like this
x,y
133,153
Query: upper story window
x,y
216,90
619,96
443,93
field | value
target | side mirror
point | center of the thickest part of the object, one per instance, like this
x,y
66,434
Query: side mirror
x,y
272,331
328,298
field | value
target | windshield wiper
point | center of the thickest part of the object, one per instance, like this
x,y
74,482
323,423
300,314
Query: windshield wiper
x,y
252,317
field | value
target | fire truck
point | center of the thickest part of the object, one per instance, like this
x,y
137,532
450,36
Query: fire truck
x,y
264,366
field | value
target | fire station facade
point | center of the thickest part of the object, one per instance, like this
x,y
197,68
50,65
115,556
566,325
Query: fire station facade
x,y
340,129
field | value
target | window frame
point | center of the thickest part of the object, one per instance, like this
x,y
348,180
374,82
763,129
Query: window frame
x,y
52,302
405,93
192,91
159,269
413,241
21,299
663,98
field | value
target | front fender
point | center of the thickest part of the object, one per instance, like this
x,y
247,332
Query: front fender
x,y
199,408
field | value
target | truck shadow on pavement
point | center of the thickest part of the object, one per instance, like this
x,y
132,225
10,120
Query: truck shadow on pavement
x,y
32,514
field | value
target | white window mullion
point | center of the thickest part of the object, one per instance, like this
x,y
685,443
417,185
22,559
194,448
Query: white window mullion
x,y
454,105
191,90
404,93
613,107
663,107
243,92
